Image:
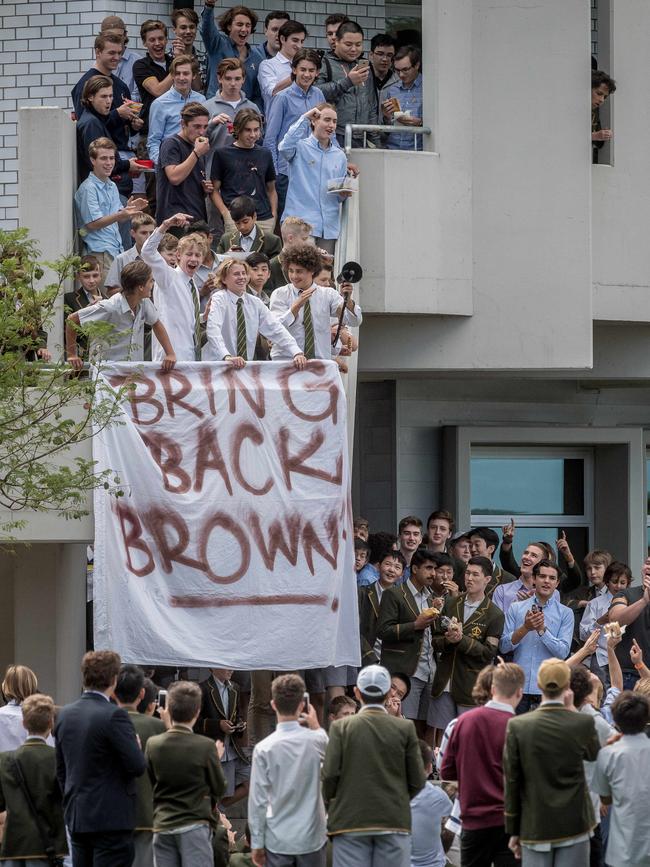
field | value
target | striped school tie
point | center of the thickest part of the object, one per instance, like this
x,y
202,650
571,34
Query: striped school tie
x,y
197,321
241,330
308,325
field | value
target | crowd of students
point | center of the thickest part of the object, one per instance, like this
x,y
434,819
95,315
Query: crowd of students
x,y
232,149
523,683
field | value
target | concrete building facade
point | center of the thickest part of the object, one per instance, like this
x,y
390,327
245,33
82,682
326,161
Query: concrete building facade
x,y
503,367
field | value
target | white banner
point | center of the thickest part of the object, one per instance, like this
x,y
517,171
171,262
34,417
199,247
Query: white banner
x,y
232,545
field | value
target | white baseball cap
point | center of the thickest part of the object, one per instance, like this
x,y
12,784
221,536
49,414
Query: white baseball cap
x,y
373,680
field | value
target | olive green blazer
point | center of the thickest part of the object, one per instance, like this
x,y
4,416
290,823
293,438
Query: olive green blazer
x,y
401,644
145,727
546,796
459,664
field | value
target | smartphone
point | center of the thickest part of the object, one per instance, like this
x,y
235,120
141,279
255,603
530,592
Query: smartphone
x,y
305,698
534,608
362,62
162,698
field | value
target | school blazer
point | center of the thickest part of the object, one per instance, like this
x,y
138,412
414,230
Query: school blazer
x,y
21,839
459,664
401,644
368,620
265,242
212,712
145,727
546,796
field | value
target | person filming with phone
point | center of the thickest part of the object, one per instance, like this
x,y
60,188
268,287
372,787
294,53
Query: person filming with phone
x,y
536,629
286,814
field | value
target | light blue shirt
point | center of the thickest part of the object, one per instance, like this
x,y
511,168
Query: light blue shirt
x,y
165,117
94,199
124,72
219,45
533,649
368,575
428,808
286,108
310,168
410,99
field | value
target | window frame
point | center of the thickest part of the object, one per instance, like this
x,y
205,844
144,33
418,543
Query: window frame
x,y
556,520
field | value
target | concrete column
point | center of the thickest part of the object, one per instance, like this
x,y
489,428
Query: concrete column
x,y
47,180
70,620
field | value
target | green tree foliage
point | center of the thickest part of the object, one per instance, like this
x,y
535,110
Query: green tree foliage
x,y
46,411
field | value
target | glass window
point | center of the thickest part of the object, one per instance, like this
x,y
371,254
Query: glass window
x,y
547,491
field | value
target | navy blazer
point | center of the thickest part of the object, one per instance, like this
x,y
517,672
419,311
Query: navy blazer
x,y
97,760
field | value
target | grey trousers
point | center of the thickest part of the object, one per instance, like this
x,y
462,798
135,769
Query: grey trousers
x,y
143,842
190,849
566,856
310,859
381,850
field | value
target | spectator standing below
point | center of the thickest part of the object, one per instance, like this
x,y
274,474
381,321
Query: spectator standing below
x,y
428,810
245,169
129,692
286,814
19,683
187,784
405,615
313,159
468,643
127,311
372,769
248,236
181,184
97,760
440,527
287,107
236,25
410,538
275,73
602,86
548,812
483,542
401,102
177,295
99,207
537,629
236,318
391,568
96,98
631,608
622,778
165,113
32,768
186,23
220,719
474,758
304,308
347,85
151,72
522,588
382,54
272,24
617,579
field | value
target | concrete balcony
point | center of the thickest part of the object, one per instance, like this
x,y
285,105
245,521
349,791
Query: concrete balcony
x,y
415,234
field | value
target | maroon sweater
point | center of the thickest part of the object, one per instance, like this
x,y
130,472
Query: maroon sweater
x,y
474,757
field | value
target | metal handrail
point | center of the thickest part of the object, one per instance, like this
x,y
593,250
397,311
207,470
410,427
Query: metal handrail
x,y
351,128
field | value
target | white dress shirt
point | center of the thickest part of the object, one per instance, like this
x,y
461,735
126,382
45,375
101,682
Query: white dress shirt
x,y
127,339
173,302
426,665
286,813
222,327
246,241
12,731
271,71
324,303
